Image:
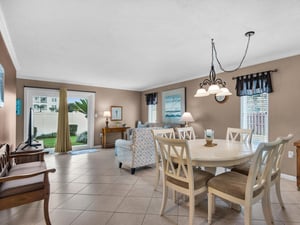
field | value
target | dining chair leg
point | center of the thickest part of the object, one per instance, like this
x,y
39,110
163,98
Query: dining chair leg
x,y
175,197
191,209
164,200
278,192
247,214
210,207
157,177
266,206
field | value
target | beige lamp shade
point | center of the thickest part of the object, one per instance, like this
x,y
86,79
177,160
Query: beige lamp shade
x,y
187,117
106,114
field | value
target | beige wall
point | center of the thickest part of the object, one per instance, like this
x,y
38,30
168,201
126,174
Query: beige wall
x,y
284,104
104,99
7,113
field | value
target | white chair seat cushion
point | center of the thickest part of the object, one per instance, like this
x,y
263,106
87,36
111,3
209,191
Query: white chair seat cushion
x,y
201,178
231,183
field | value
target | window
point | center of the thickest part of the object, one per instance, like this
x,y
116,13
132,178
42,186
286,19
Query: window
x,y
152,113
254,115
46,104
151,101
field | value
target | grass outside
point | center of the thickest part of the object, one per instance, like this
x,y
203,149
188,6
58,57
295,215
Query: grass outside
x,y
50,142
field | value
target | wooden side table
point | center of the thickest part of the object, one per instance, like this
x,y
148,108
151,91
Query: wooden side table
x,y
107,130
297,144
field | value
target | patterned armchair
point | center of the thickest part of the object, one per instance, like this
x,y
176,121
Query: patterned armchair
x,y
137,152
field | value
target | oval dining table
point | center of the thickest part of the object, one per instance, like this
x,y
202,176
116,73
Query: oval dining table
x,y
223,153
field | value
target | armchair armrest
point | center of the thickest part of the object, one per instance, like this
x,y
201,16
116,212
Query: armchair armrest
x,y
122,144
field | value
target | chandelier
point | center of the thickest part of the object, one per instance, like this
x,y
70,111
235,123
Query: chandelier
x,y
216,85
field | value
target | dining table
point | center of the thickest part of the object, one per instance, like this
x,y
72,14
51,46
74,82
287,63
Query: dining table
x,y
220,153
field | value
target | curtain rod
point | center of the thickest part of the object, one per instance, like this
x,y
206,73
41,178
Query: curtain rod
x,y
151,93
272,71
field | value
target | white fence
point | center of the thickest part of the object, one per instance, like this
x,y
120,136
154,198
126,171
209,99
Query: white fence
x,y
46,122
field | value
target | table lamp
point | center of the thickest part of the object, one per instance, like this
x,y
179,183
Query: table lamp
x,y
106,114
187,117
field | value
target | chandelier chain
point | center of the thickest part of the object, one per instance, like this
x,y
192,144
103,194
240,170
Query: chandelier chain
x,y
239,66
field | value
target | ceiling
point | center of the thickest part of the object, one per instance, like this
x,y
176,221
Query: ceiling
x,y
142,44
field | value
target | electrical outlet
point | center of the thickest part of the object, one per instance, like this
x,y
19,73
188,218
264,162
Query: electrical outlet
x,y
290,154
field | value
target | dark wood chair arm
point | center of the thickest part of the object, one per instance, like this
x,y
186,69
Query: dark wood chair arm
x,y
23,176
24,154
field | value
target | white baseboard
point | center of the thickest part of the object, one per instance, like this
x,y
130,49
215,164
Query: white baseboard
x,y
288,177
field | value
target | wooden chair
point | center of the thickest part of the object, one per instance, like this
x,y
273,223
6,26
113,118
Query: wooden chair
x,y
179,174
276,172
23,183
186,133
246,190
276,168
167,133
238,134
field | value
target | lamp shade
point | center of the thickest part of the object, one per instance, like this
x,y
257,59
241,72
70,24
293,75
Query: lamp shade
x,y
106,114
224,92
213,89
187,117
201,92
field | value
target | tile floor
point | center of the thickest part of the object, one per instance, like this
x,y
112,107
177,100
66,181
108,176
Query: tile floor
x,y
90,189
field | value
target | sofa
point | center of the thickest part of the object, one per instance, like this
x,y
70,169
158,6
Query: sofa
x,y
137,152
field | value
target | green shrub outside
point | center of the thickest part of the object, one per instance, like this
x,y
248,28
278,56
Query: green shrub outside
x,y
50,142
73,129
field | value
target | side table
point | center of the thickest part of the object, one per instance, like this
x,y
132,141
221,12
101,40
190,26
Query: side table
x,y
107,130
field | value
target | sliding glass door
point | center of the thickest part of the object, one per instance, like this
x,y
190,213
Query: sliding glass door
x,y
45,104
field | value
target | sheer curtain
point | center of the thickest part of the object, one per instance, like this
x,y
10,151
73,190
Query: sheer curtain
x,y
63,142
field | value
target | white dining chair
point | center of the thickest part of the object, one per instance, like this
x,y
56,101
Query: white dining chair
x,y
238,134
179,174
276,172
186,133
276,168
246,190
167,133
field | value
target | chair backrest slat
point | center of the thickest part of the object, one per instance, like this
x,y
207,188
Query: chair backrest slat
x,y
186,133
238,134
176,159
260,169
164,132
280,152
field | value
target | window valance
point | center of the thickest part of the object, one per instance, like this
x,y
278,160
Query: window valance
x,y
253,84
151,99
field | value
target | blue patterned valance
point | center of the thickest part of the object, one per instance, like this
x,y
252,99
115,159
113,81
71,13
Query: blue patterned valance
x,y
253,84
151,99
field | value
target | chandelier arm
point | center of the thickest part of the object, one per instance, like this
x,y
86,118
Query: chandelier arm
x,y
248,34
220,81
205,82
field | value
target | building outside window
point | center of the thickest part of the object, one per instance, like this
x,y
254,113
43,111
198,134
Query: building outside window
x,y
152,113
254,115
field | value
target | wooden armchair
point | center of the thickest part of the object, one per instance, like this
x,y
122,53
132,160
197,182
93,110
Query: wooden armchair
x,y
23,183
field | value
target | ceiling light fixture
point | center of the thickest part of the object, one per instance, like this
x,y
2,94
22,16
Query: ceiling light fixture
x,y
216,85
